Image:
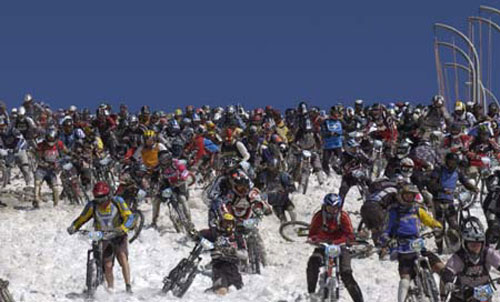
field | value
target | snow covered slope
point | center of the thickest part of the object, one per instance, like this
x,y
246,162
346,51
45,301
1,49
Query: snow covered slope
x,y
43,263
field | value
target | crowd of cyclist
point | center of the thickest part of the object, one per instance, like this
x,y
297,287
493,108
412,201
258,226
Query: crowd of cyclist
x,y
408,162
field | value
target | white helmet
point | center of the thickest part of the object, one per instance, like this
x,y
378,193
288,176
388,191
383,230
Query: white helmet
x,y
72,108
28,97
407,166
21,111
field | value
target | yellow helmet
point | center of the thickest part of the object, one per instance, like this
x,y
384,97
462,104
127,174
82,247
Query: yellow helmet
x,y
227,224
149,134
460,106
178,112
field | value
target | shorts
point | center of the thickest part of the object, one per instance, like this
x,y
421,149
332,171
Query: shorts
x,y
111,247
225,274
406,262
48,175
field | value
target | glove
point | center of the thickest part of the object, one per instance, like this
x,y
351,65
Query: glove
x,y
71,229
449,287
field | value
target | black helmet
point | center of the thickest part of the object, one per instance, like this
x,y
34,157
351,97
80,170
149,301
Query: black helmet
x,y
145,110
302,108
51,137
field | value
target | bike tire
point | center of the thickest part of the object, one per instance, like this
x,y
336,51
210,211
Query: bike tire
x,y
174,218
430,286
253,255
333,290
305,185
138,225
91,281
293,231
183,288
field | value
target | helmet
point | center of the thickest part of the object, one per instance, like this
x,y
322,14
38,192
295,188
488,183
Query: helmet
x,y
460,107
275,138
492,109
455,129
351,146
21,111
196,117
403,149
140,170
178,112
333,200
28,98
473,234
101,189
145,110
349,112
302,108
72,108
240,182
164,157
200,129
408,194
149,134
227,223
407,166
230,110
228,135
438,100
241,208
51,137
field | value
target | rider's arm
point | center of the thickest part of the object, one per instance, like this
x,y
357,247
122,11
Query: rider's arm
x,y
85,216
243,151
468,183
427,219
493,258
125,213
453,267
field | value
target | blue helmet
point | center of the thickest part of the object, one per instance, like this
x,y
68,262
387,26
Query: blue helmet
x,y
332,199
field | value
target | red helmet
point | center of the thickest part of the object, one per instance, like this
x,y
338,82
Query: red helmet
x,y
101,188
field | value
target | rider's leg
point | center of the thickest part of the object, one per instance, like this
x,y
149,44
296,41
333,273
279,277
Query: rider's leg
x,y
405,268
313,266
52,181
404,286
347,277
22,161
345,186
440,216
108,273
156,211
123,261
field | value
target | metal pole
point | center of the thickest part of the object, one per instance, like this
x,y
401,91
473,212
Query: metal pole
x,y
476,56
468,59
489,9
485,90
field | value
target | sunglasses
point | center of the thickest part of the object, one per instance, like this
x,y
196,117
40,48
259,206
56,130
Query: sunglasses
x,y
100,199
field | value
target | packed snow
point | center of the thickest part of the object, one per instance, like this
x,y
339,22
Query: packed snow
x,y
43,263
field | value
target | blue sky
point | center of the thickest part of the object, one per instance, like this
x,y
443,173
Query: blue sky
x,y
174,53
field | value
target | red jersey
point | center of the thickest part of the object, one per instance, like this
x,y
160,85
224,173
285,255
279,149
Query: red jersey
x,y
329,230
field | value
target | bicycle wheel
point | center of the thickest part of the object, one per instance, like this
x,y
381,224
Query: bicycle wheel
x,y
139,224
305,182
294,231
91,281
253,255
430,286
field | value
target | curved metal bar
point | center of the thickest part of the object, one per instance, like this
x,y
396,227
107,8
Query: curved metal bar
x,y
476,56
